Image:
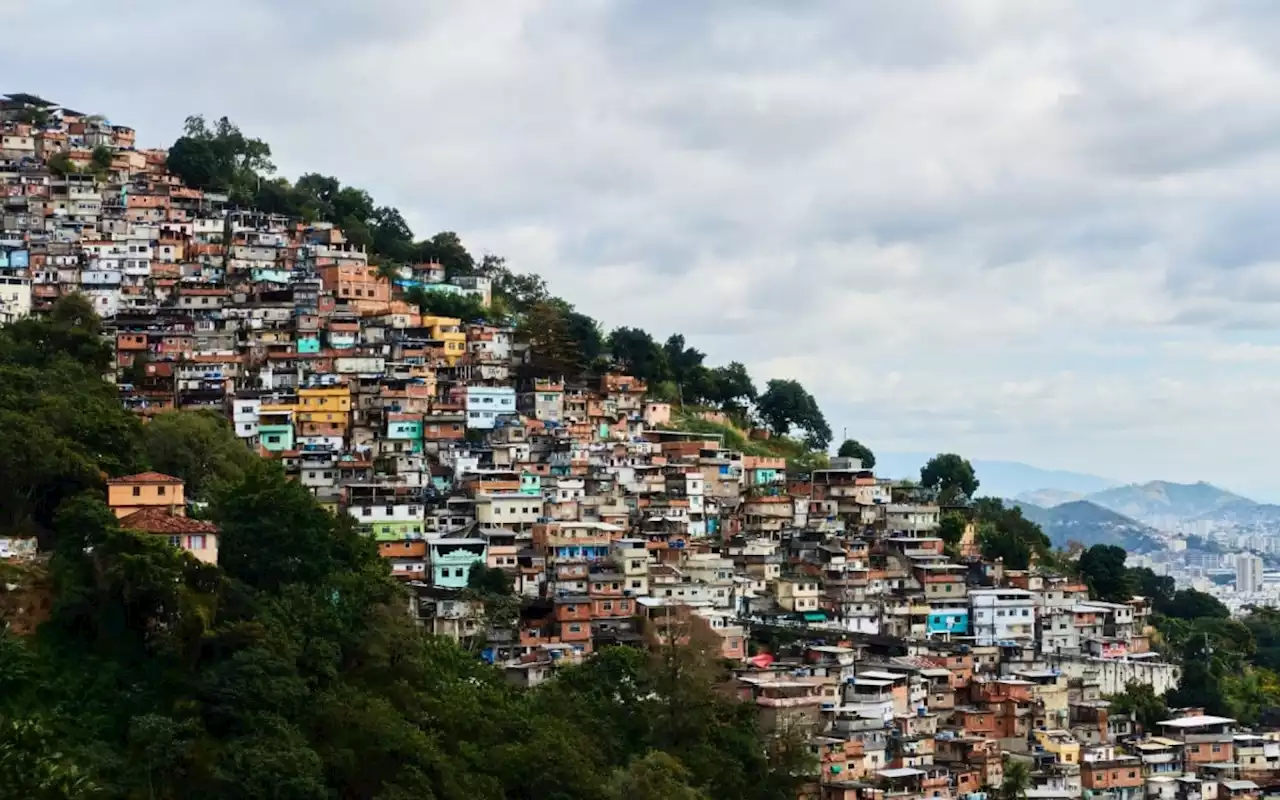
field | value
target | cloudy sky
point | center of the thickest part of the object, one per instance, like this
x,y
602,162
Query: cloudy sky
x,y
1042,231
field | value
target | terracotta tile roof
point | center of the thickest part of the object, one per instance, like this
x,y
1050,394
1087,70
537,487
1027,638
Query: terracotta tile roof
x,y
159,520
146,477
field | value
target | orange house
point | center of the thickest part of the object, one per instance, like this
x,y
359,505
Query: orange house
x,y
403,549
573,621
1120,773
134,493
357,284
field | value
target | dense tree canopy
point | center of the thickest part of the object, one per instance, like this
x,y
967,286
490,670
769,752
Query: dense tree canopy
x,y
1004,534
951,476
1140,701
1103,570
852,448
636,353
220,158
786,405
64,428
197,446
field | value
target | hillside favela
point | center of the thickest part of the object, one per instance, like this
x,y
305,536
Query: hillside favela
x,y
299,503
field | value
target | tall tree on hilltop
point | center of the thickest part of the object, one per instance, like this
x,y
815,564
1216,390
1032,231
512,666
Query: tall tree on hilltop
x,y
446,249
392,237
520,291
786,405
852,448
636,353
734,390
220,158
951,476
585,333
552,350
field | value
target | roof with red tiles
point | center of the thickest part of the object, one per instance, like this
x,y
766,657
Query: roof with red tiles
x,y
146,477
159,520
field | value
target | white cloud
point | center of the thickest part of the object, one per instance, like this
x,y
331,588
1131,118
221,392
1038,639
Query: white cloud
x,y
1040,231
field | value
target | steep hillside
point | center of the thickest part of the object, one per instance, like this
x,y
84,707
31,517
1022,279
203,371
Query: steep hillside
x,y
799,457
1089,524
1161,499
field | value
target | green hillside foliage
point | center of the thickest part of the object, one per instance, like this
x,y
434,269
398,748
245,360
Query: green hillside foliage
x,y
292,670
800,457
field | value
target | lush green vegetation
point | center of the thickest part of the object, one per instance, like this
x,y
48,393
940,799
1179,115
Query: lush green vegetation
x,y
291,670
1003,533
799,456
951,476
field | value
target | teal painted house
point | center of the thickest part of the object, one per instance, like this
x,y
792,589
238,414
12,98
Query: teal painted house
x,y
452,560
953,621
406,428
308,343
530,484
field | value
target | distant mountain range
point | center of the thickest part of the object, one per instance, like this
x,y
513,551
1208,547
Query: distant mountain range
x,y
1089,524
998,478
1160,500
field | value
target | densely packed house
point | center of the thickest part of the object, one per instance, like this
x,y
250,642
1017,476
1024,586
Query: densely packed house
x,y
912,670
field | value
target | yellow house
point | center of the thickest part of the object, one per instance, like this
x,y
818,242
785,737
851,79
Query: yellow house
x,y
134,493
1061,744
324,409
448,331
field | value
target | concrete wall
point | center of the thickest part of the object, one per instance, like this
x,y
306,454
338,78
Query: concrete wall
x,y
1114,674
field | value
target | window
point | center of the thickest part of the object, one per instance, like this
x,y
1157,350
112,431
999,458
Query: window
x,y
160,490
137,491
175,541
364,512
195,542
575,629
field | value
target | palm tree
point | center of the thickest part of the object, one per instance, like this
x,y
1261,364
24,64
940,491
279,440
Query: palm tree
x,y
1017,779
